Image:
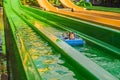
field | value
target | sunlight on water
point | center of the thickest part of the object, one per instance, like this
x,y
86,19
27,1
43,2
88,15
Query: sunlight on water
x,y
47,60
104,60
108,62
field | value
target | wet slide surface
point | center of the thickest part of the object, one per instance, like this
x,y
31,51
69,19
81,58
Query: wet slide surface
x,y
47,59
99,17
48,62
102,58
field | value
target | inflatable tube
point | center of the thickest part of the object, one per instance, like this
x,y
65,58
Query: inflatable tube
x,y
75,42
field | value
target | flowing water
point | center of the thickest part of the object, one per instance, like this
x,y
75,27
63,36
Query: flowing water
x,y
49,62
103,59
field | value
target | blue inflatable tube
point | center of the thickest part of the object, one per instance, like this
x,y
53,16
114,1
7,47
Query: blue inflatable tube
x,y
75,42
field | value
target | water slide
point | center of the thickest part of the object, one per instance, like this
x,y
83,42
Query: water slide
x,y
111,22
33,63
95,19
69,4
20,38
46,5
95,16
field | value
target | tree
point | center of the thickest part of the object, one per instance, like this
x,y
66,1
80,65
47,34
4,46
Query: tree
x,y
83,3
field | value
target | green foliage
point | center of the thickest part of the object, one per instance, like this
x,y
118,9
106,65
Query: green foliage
x,y
30,2
51,1
57,3
83,3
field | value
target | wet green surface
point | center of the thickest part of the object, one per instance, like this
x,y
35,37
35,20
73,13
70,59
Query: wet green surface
x,y
46,59
85,28
50,64
106,61
103,59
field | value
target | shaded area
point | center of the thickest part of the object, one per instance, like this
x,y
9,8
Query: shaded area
x,y
3,67
15,68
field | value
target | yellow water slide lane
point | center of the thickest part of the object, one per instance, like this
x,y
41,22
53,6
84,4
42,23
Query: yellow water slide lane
x,y
46,5
70,4
102,14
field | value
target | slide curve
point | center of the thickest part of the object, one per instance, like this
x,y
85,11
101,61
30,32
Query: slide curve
x,y
46,5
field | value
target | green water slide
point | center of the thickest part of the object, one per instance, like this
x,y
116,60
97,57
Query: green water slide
x,y
16,52
101,62
113,50
28,64
23,67
107,37
81,63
